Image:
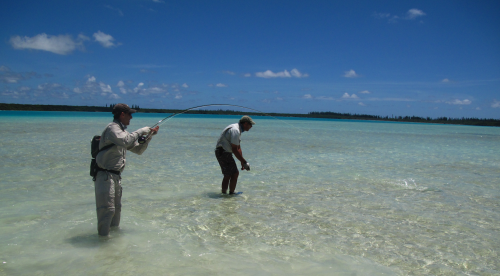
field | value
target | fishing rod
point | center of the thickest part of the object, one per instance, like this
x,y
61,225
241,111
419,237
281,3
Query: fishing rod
x,y
164,120
195,107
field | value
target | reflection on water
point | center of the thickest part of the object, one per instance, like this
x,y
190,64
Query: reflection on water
x,y
336,198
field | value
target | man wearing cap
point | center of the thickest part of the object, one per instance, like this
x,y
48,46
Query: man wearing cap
x,y
111,162
227,145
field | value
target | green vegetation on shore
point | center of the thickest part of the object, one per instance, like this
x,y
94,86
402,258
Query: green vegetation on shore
x,y
324,115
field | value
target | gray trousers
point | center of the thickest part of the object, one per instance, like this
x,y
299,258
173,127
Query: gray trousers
x,y
108,201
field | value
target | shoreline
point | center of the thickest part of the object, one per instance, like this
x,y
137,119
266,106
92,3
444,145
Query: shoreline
x,y
317,115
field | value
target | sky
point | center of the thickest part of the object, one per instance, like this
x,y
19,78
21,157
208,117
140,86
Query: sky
x,y
387,58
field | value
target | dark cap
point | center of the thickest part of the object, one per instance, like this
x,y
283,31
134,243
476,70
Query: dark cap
x,y
246,119
121,107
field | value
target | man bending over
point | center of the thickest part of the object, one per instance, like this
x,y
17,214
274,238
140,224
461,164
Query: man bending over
x,y
227,145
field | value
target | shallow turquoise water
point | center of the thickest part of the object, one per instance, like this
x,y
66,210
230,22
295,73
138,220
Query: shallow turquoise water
x,y
324,197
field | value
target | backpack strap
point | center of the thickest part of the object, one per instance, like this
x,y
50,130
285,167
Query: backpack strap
x,y
106,147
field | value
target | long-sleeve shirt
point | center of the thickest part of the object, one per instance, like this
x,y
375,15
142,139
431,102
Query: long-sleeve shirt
x,y
114,157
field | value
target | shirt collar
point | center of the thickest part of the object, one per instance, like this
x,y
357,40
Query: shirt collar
x,y
242,129
124,127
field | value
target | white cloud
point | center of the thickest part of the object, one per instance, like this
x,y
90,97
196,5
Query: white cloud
x,y
14,94
459,102
362,104
346,96
11,78
414,13
185,85
365,92
495,104
156,89
284,74
104,39
93,87
229,72
271,74
144,91
121,85
114,96
307,96
445,80
139,87
61,44
51,90
410,15
49,86
350,74
247,75
297,74
105,88
218,85
178,96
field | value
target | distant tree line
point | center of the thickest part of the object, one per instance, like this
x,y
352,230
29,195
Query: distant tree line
x,y
136,107
413,119
43,107
325,115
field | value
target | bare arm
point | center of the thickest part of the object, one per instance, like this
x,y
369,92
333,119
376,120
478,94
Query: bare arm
x,y
239,154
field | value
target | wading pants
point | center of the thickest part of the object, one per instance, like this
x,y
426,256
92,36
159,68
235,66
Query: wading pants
x,y
108,201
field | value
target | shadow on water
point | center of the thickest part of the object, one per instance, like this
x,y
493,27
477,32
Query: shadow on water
x,y
221,195
94,240
430,190
87,240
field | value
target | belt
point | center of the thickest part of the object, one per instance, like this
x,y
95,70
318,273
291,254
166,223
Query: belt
x,y
111,171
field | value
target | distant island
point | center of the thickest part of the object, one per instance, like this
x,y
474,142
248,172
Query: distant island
x,y
323,115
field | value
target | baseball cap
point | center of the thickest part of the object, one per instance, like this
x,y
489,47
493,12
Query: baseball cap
x,y
121,107
246,119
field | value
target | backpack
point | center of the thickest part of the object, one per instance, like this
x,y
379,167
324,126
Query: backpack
x,y
94,150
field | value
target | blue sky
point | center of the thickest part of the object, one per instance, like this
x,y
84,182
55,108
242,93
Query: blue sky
x,y
401,58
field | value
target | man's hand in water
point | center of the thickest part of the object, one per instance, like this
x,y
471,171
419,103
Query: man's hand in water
x,y
154,131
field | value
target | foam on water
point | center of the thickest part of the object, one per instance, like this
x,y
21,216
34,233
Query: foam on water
x,y
336,198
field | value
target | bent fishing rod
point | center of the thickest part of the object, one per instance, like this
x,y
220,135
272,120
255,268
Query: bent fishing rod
x,y
205,105
164,120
